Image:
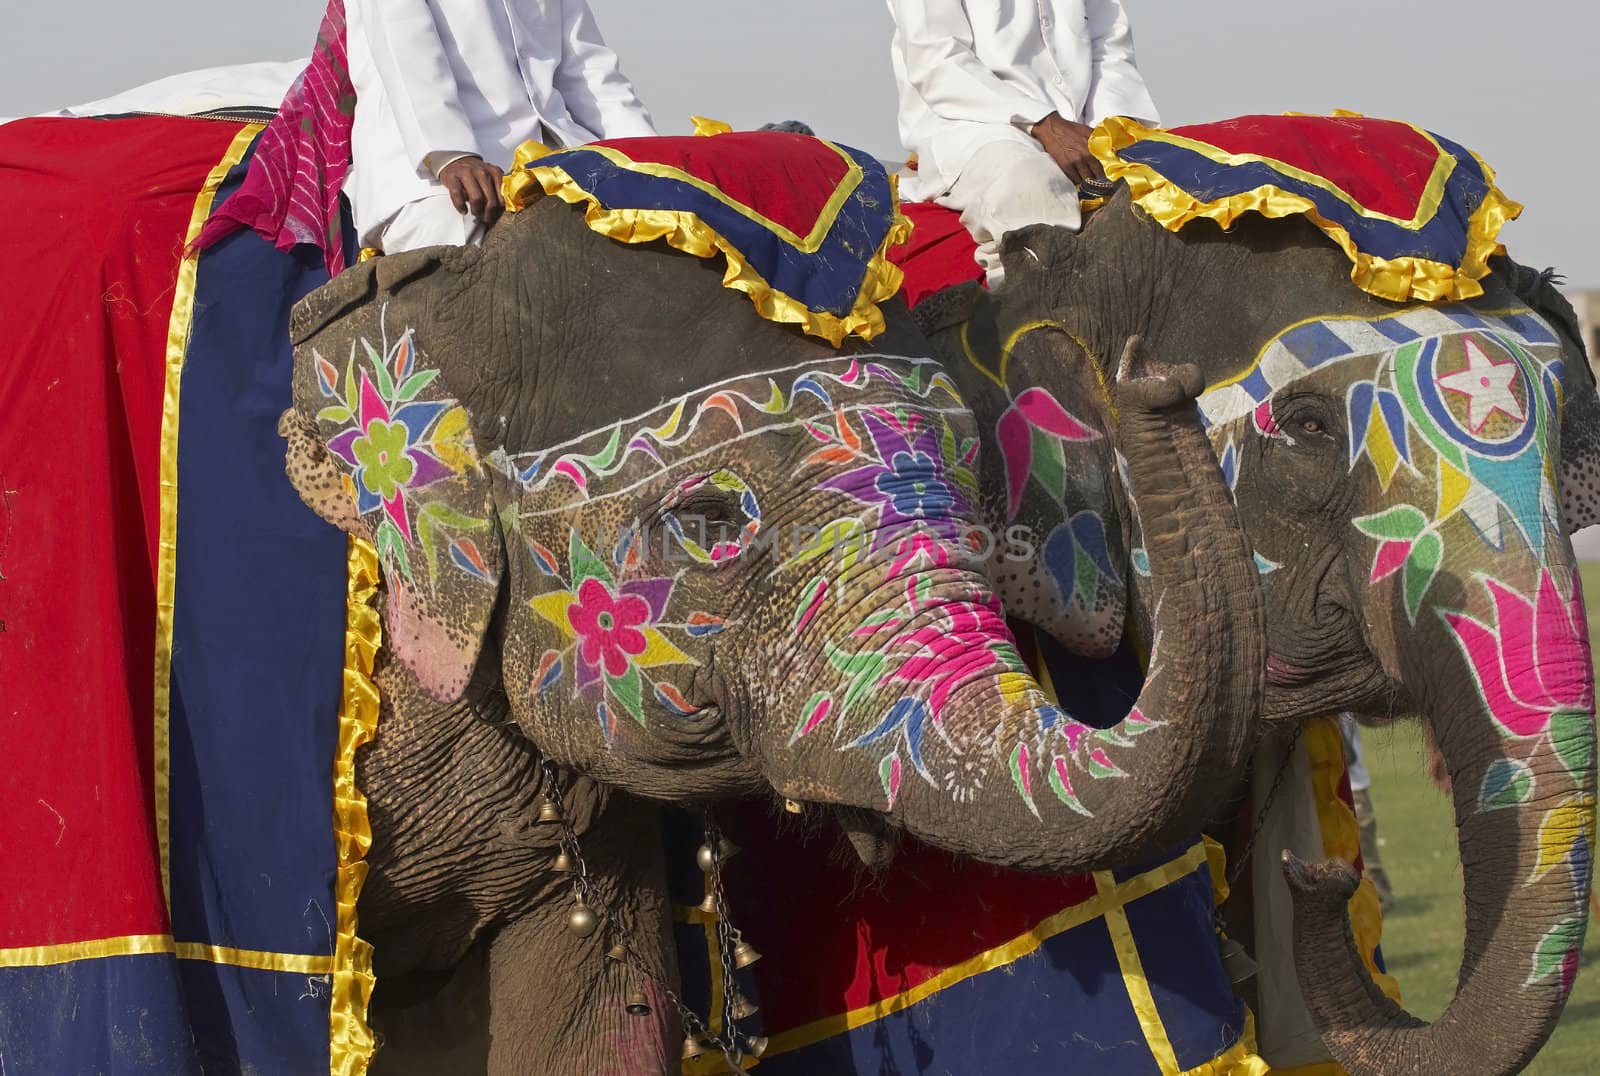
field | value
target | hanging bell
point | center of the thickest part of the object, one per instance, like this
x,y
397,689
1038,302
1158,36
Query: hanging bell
x,y
743,1007
583,921
709,905
726,850
549,812
1237,963
617,953
691,1048
744,954
637,1004
756,1046
563,862
704,859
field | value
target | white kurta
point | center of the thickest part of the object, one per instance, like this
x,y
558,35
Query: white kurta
x,y
436,79
975,72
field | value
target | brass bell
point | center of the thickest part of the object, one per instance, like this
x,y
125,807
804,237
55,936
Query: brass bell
x,y
726,850
744,954
709,905
549,812
637,1004
563,862
703,858
743,1007
758,1046
1237,963
583,921
691,1048
617,953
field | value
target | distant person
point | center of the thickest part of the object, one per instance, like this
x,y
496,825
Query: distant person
x,y
997,100
1360,785
445,92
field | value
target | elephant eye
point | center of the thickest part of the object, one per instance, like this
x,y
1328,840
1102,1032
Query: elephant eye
x,y
713,518
1312,424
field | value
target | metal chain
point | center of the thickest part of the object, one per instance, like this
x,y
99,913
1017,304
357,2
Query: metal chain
x,y
729,1043
1266,805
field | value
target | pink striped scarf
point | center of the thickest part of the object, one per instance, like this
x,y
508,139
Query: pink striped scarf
x,y
290,194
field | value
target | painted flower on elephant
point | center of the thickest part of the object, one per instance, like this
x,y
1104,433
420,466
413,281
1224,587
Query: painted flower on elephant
x,y
397,445
612,634
1533,668
607,626
905,480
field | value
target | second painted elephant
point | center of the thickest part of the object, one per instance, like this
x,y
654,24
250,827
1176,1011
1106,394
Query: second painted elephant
x,y
1409,476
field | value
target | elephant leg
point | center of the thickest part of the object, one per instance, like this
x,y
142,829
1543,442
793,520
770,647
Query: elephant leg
x,y
556,1004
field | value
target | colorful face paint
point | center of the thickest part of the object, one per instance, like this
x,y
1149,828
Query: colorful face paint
x,y
1456,414
400,443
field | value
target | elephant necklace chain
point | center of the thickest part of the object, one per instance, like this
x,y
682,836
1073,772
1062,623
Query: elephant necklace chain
x,y
736,954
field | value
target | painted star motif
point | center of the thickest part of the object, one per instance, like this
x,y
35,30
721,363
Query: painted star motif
x,y
1487,386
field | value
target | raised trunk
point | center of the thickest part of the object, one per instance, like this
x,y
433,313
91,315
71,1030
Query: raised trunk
x,y
1526,872
1088,799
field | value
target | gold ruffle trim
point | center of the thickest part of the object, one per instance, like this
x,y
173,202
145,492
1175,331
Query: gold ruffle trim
x,y
685,231
349,1037
1395,279
1341,837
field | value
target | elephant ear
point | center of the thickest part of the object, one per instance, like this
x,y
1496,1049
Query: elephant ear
x,y
406,462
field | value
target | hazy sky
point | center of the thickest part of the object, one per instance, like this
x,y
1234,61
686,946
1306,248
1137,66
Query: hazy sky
x,y
1520,84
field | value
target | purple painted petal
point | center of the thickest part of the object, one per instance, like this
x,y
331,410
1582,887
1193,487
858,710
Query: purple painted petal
x,y
655,592
886,440
342,446
430,468
588,673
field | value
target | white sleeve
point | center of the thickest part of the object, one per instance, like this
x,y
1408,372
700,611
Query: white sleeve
x,y
590,79
411,63
941,65
1117,88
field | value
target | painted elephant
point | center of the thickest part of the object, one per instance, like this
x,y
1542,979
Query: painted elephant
x,y
691,555
1409,476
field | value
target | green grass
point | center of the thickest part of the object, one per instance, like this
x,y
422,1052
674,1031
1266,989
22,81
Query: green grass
x,y
1422,935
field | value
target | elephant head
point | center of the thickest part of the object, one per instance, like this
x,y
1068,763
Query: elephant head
x,y
709,558
1408,476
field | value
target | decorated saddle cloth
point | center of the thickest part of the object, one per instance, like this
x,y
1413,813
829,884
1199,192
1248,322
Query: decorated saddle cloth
x,y
1417,214
803,223
178,820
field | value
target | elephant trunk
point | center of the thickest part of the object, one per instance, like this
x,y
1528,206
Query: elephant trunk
x,y
1108,797
1525,821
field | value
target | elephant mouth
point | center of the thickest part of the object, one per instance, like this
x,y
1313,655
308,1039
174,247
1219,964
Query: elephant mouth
x,y
1284,673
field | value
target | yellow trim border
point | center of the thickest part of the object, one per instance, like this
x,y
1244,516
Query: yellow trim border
x,y
178,327
43,956
1341,838
685,231
350,1041
1394,279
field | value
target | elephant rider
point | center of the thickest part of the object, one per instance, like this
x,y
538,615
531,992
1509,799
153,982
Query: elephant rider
x,y
445,92
997,99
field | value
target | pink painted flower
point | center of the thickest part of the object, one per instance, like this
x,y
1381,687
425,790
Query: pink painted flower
x,y
607,626
1535,663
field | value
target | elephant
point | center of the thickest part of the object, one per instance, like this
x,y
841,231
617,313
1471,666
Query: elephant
x,y
1386,532
1409,477
688,555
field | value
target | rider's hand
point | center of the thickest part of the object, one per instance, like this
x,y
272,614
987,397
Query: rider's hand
x,y
1068,145
474,184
